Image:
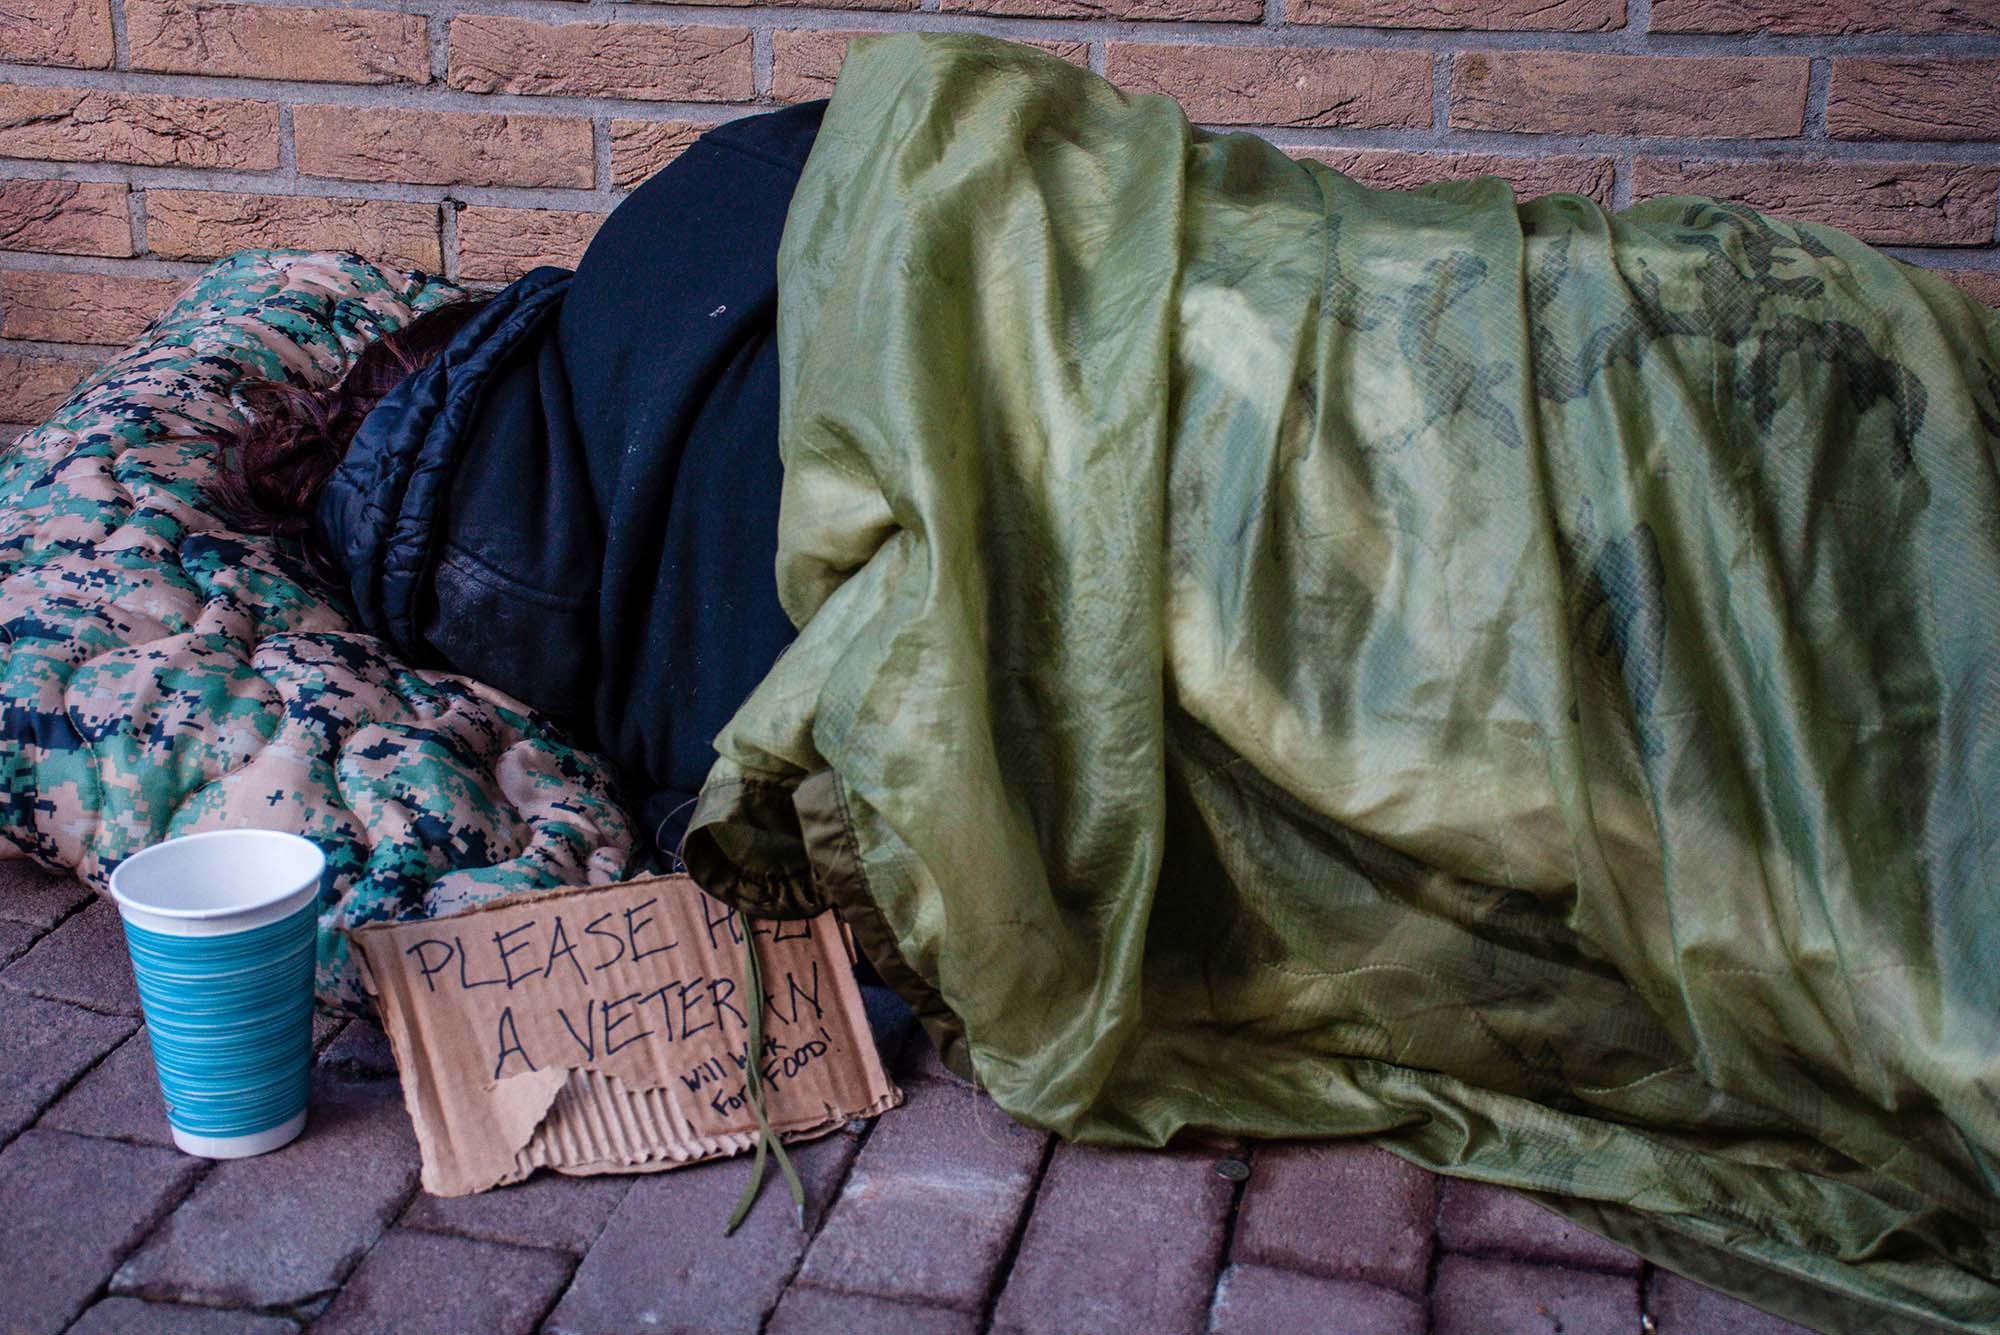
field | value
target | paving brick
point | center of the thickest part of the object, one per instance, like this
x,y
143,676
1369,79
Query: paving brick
x,y
1240,85
33,894
932,1203
287,1226
70,1206
1888,203
129,1316
443,1285
63,218
661,1262
1117,1240
1565,92
277,42
1914,99
1682,1307
809,1311
83,961
15,938
1480,1297
79,308
1827,17
1343,1210
1479,1217
119,1099
57,32
149,129
361,1051
1257,1300
548,1210
48,1045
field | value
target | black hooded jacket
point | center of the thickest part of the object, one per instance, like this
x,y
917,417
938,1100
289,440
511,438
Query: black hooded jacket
x,y
577,500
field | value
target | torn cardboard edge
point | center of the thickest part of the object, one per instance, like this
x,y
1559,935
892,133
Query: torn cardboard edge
x,y
605,1029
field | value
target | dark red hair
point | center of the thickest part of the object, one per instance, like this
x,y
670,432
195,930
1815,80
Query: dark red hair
x,y
275,463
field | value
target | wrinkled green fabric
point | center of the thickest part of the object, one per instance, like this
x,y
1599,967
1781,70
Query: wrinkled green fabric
x,y
1515,682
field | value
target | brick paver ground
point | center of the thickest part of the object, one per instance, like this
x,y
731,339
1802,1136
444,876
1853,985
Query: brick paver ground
x,y
940,1218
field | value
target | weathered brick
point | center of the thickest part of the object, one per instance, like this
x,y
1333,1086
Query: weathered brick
x,y
1837,17
148,129
806,61
67,1041
15,937
1982,284
57,32
129,1316
313,1207
1489,15
31,389
119,1098
36,895
1348,1211
1682,1307
84,960
653,61
207,224
641,1274
1256,1300
1480,1297
1198,11
80,308
1395,169
640,148
810,1311
70,1206
932,1202
548,1210
498,245
1940,204
1240,85
65,218
817,4
1564,92
277,42
1118,1240
1914,99
443,147
1480,1217
432,1282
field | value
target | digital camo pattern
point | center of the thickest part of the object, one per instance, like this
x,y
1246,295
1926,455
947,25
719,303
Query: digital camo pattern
x,y
161,674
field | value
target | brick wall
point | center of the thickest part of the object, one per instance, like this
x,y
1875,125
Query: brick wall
x,y
140,138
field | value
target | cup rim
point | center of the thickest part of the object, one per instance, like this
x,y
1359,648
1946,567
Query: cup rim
x,y
210,914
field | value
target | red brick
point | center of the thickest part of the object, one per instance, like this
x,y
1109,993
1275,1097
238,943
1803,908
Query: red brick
x,y
652,61
661,1264
1943,204
81,307
68,1041
809,1311
70,1206
1835,17
443,147
1982,284
65,217
1682,1307
1209,11
1240,85
277,42
931,1205
1490,15
1257,1300
498,245
57,32
31,389
1700,97
207,224
1119,1240
1347,1211
1914,99
1480,1217
413,1281
1475,1297
1395,169
84,960
805,61
640,148
148,129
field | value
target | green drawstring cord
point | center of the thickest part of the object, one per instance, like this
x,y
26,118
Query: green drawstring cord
x,y
767,1139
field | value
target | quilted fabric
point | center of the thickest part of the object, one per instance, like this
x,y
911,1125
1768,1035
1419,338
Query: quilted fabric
x,y
162,674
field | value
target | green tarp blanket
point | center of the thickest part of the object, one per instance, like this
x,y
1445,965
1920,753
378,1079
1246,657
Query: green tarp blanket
x,y
1512,681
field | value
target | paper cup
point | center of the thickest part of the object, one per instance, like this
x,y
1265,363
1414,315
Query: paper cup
x,y
222,928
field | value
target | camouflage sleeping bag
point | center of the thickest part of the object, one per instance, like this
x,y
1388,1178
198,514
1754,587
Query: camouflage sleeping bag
x,y
160,674
1516,682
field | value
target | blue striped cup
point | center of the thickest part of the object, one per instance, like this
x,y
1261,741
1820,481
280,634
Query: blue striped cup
x,y
222,928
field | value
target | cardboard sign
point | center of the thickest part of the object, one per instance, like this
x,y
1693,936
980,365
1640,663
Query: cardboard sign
x,y
605,1030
